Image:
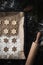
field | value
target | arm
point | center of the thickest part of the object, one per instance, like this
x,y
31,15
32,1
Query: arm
x,y
33,51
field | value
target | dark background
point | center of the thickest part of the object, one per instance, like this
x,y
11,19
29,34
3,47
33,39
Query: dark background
x,y
36,12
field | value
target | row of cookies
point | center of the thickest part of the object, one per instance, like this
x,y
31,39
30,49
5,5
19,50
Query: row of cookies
x,y
7,28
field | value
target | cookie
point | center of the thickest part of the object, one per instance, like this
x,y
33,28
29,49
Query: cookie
x,y
13,31
13,40
6,22
13,22
5,40
14,49
5,49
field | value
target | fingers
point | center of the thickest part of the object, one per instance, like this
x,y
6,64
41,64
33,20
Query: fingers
x,y
37,37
